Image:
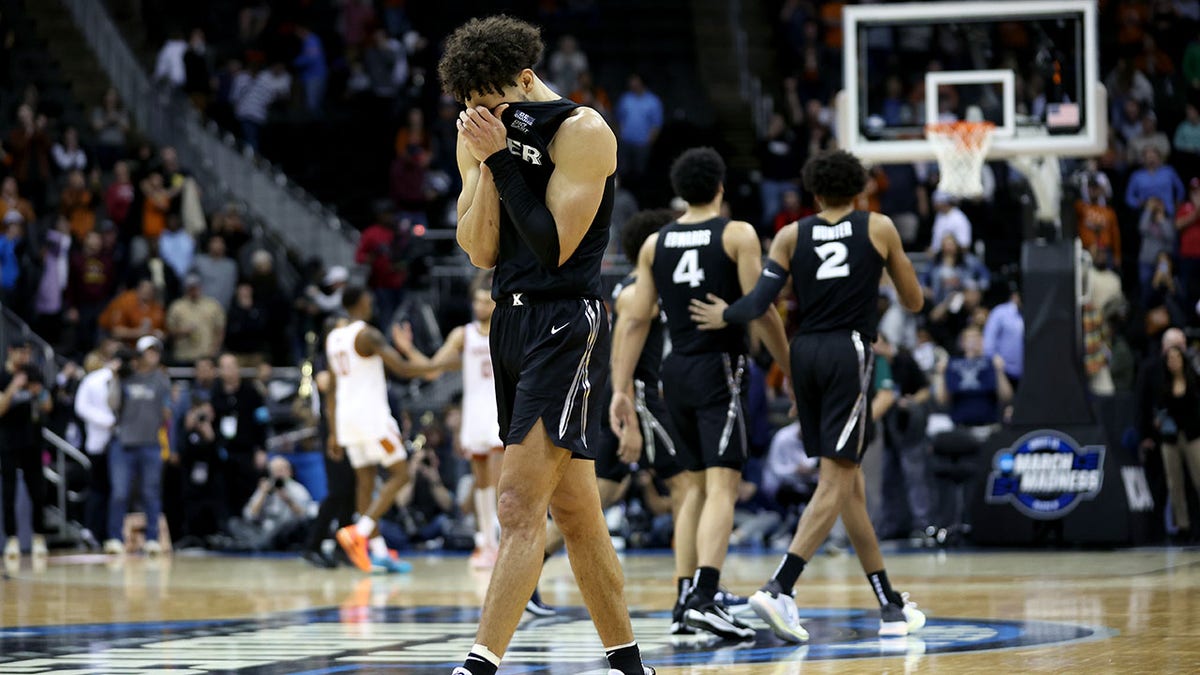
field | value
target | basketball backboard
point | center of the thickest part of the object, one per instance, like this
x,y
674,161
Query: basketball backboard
x,y
1031,67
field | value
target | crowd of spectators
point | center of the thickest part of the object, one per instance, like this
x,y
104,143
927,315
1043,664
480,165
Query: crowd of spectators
x,y
108,255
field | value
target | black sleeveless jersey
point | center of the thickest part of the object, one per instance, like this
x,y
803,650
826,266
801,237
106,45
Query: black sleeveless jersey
x,y
690,262
835,275
531,126
650,362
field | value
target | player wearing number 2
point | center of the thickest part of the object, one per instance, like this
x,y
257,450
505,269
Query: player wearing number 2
x,y
362,422
835,259
699,254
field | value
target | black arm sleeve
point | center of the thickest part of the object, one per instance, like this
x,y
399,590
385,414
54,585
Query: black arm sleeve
x,y
755,303
532,219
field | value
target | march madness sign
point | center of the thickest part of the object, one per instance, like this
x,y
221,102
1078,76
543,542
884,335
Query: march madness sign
x,y
1045,474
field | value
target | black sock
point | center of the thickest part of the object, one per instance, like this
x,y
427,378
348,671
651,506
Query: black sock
x,y
627,659
706,581
883,589
683,586
481,661
788,572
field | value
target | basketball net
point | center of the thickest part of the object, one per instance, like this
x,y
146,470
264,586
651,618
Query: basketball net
x,y
961,148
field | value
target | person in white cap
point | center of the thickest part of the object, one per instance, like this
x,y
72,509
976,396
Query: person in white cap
x,y
142,400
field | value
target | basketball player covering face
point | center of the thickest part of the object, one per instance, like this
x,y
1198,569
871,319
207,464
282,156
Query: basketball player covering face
x,y
835,259
537,195
700,253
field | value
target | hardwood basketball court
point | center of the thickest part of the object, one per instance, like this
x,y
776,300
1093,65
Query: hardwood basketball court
x,y
1052,612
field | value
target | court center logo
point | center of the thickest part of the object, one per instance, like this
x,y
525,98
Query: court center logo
x,y
1046,474
432,640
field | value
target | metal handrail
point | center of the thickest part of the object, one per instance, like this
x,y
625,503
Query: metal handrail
x,y
234,172
58,476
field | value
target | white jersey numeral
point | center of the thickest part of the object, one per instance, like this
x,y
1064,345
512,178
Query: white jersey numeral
x,y
688,271
833,261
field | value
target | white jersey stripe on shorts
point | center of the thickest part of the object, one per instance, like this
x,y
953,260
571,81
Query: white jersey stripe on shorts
x,y
858,417
581,382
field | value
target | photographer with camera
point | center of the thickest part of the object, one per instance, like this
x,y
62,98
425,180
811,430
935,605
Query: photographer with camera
x,y
24,404
275,516
143,399
204,509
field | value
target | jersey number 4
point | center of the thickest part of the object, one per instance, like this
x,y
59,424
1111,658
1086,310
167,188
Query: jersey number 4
x,y
833,261
688,271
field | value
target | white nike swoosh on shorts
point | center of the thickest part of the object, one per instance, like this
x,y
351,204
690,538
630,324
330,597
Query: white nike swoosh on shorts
x,y
554,331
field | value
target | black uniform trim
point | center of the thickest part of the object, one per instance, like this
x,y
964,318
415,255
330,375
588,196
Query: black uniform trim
x,y
831,378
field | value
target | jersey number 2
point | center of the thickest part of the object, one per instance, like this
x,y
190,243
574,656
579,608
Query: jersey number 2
x,y
688,270
833,261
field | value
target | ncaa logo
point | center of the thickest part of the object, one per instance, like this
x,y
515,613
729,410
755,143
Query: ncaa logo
x,y
1045,474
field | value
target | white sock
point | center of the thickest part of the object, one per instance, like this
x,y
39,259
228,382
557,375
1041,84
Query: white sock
x,y
378,547
485,510
365,526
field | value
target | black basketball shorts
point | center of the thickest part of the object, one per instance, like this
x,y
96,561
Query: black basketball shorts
x,y
550,361
705,398
831,377
659,445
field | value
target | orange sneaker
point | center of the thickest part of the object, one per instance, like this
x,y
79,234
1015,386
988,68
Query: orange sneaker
x,y
355,546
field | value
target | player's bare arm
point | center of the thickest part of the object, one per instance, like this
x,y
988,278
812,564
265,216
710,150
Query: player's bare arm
x,y
629,337
630,436
714,313
584,155
741,241
449,356
370,342
887,241
478,230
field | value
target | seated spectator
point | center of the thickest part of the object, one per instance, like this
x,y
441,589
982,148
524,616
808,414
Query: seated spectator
x,y
246,336
385,61
587,92
1154,179
52,286
949,220
1158,236
110,123
955,284
1166,304
218,273
229,224
156,202
1187,134
566,64
275,516
13,207
1187,221
792,210
90,283
1004,336
790,474
78,203
68,156
177,247
119,196
427,504
971,386
1098,226
146,261
196,324
134,314
1150,137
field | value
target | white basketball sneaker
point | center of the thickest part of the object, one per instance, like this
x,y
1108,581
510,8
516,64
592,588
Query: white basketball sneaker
x,y
900,620
778,610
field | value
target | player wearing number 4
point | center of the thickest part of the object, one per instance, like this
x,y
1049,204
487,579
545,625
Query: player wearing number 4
x,y
835,259
362,422
699,254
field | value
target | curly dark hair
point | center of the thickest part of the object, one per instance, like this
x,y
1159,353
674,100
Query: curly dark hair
x,y
836,176
483,56
697,175
639,228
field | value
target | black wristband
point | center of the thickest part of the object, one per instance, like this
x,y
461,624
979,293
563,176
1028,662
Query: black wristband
x,y
755,303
